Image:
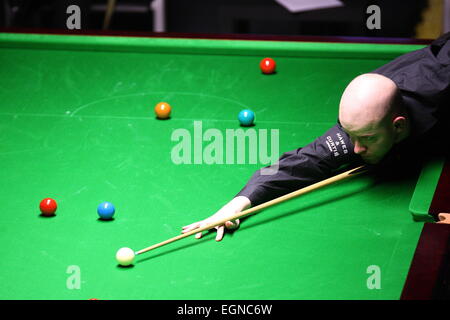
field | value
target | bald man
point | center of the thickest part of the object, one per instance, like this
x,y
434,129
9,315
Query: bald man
x,y
395,115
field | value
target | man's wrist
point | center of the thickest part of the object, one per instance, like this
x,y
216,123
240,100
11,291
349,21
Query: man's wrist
x,y
240,203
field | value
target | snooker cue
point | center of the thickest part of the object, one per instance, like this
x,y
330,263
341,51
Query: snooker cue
x,y
342,176
108,13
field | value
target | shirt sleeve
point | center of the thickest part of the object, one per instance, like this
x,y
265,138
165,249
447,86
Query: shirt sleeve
x,y
324,157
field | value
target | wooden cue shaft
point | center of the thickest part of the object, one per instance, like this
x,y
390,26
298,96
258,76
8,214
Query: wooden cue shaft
x,y
315,186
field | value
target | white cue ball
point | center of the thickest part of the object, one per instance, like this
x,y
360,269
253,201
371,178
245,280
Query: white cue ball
x,y
125,256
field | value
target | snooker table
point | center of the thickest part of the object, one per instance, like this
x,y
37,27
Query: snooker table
x,y
77,125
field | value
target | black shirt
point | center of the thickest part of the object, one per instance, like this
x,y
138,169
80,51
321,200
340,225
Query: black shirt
x,y
423,78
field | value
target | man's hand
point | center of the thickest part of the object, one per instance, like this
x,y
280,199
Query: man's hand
x,y
234,206
444,218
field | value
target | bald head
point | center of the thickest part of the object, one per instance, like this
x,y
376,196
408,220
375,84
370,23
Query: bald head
x,y
367,101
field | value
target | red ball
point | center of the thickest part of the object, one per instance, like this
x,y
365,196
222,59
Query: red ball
x,y
267,65
48,207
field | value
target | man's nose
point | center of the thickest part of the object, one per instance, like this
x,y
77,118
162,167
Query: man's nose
x,y
358,149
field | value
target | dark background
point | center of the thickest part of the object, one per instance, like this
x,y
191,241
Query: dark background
x,y
264,17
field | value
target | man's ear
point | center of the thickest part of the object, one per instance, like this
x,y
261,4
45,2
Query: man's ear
x,y
401,128
399,123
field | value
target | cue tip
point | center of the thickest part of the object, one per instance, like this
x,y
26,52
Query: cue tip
x,y
360,169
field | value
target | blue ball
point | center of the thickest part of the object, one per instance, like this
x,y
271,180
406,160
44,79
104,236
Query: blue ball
x,y
246,117
106,210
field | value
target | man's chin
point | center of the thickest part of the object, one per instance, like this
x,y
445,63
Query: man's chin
x,y
370,160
